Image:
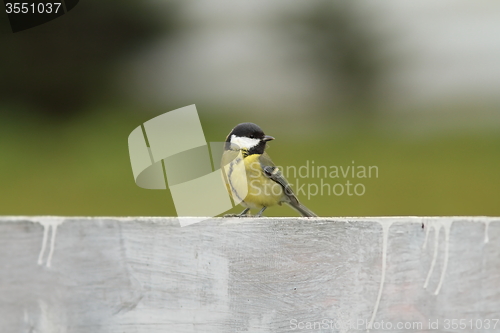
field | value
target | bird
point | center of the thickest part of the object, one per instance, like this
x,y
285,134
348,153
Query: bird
x,y
251,176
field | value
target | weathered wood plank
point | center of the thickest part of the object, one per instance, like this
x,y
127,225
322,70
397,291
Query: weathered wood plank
x,y
256,275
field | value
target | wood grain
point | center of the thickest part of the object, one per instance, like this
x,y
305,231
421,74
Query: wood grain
x,y
245,275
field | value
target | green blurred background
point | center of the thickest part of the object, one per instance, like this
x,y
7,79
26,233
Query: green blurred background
x,y
383,84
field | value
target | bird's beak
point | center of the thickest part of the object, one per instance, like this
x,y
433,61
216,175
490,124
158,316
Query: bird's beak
x,y
267,138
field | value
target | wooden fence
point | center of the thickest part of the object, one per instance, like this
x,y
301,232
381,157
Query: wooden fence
x,y
106,274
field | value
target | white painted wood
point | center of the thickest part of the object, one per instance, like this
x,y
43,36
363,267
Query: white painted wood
x,y
105,274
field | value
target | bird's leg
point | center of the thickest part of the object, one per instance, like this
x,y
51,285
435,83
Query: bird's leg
x,y
243,212
259,214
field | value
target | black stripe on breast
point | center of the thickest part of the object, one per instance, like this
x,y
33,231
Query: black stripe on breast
x,y
231,165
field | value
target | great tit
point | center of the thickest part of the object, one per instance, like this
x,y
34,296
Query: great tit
x,y
259,183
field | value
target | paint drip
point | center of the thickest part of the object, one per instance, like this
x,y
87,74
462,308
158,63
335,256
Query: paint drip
x,y
486,229
48,223
385,235
437,225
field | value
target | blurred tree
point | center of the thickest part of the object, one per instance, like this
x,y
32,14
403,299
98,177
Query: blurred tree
x,y
343,49
60,67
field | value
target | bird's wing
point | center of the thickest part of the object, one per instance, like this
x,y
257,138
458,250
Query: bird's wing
x,y
274,173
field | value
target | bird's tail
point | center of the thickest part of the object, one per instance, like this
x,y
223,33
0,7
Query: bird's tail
x,y
306,212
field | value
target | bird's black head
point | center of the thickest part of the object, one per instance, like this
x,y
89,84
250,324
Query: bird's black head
x,y
247,137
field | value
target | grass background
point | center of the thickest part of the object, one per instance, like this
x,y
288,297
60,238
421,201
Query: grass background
x,y
82,167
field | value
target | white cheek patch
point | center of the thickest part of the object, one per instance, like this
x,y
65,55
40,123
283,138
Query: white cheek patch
x,y
244,142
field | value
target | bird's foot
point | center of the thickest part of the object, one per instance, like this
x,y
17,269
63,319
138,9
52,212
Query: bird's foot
x,y
242,214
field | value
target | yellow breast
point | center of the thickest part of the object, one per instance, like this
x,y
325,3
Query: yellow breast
x,y
262,191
